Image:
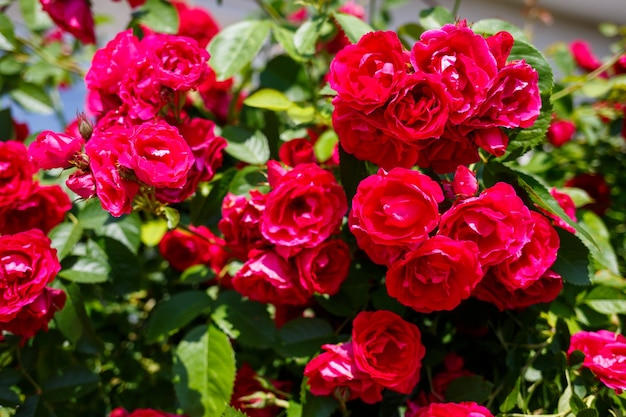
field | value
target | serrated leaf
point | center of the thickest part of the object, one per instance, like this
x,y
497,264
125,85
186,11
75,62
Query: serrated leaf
x,y
235,46
87,270
353,27
307,34
7,35
171,315
284,36
126,229
32,98
204,372
159,15
606,300
64,237
247,146
269,99
294,410
468,388
232,412
72,383
435,17
523,140
92,215
533,57
303,337
246,321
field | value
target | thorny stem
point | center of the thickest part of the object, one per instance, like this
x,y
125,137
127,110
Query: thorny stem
x,y
593,74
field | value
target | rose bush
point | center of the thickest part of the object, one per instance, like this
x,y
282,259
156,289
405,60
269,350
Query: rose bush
x,y
299,215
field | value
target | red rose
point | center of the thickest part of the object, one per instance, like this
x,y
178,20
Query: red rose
x,y
595,185
296,152
142,412
16,173
366,74
567,204
436,276
304,208
497,221
464,183
268,278
584,56
491,139
605,356
200,246
82,183
110,64
73,16
396,208
36,315
560,132
500,46
388,348
42,209
54,150
240,223
446,153
464,409
27,264
335,372
196,23
367,138
323,268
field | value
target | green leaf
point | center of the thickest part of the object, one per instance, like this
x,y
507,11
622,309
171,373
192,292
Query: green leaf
x,y
87,270
284,36
126,229
315,406
512,398
247,146
246,321
532,56
233,412
435,17
294,410
303,337
351,171
29,408
203,207
204,372
196,274
74,322
32,98
488,27
171,315
606,300
246,179
153,231
523,140
572,261
235,46
172,217
307,35
596,228
159,15
72,383
324,146
92,215
354,27
468,388
64,238
34,16
269,99
8,379
7,35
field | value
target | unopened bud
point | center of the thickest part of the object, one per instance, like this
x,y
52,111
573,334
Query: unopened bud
x,y
85,127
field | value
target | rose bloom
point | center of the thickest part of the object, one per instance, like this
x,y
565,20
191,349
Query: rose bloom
x,y
446,153
368,139
82,183
464,409
464,183
398,208
492,139
605,356
297,151
240,223
158,155
54,150
366,74
419,110
196,23
247,384
560,132
110,63
16,173
27,264
42,209
140,91
73,16
304,208
500,45
567,204
543,290
584,56
177,61
497,221
596,186
36,315
269,278
454,369
323,268
388,348
182,249
335,372
142,412
436,276
463,60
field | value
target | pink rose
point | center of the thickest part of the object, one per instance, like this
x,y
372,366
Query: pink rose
x,y
42,209
436,276
368,139
446,153
464,183
398,208
464,409
491,139
36,315
463,60
500,46
584,56
158,155
567,204
297,151
560,132
268,278
196,23
388,348
366,74
334,372
140,91
240,223
16,173
54,150
323,268
27,264
82,183
497,221
73,16
605,356
182,249
304,208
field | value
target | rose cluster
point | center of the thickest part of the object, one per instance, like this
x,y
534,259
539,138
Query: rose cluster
x,y
143,147
490,246
385,352
287,237
435,105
